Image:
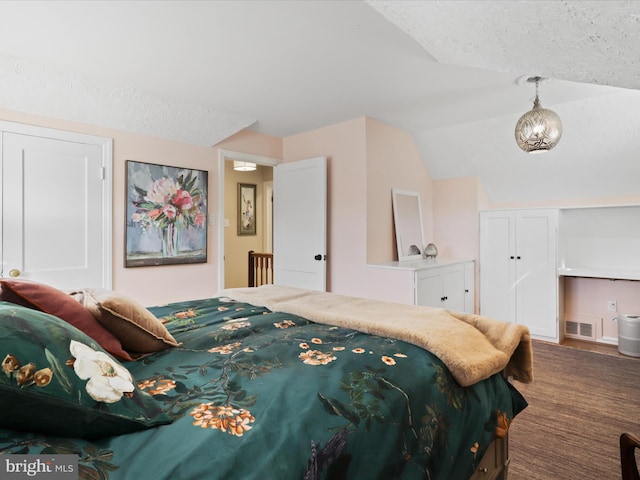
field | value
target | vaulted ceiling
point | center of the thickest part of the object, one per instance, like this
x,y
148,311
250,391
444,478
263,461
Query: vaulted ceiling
x,y
448,72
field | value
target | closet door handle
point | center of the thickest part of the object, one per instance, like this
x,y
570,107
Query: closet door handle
x,y
512,257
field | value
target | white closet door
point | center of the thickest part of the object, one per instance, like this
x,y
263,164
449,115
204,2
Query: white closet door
x,y
536,281
497,265
53,211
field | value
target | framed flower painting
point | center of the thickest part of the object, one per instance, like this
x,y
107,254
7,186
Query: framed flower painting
x,y
166,210
246,209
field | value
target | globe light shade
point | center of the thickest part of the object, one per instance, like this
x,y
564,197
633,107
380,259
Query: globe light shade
x,y
538,130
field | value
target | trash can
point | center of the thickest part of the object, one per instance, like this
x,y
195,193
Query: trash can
x,y
629,335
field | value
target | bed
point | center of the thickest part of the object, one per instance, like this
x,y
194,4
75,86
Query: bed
x,y
261,383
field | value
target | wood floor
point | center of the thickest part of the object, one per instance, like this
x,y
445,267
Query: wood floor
x,y
593,347
579,403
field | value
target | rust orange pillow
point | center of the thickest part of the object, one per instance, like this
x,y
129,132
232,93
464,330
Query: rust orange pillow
x,y
45,298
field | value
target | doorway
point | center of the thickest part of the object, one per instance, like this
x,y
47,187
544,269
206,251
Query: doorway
x,y
233,244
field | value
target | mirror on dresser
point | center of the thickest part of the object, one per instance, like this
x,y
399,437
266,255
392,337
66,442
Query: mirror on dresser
x,y
407,217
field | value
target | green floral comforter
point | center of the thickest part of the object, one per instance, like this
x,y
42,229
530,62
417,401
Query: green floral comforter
x,y
255,394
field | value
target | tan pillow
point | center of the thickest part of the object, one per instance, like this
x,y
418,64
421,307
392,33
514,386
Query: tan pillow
x,y
137,328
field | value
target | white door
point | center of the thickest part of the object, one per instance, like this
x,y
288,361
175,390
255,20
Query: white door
x,y
267,201
536,280
300,224
56,210
497,265
518,272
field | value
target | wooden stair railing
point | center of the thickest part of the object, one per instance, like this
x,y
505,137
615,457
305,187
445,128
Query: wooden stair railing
x,y
260,268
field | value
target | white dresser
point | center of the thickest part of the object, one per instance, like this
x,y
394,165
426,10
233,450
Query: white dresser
x,y
441,283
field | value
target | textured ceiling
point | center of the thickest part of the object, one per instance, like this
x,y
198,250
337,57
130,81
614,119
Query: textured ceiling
x,y
445,71
583,41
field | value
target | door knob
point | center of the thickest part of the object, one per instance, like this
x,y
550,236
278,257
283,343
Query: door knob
x,y
318,257
14,272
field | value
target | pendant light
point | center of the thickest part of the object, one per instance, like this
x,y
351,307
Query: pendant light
x,y
540,129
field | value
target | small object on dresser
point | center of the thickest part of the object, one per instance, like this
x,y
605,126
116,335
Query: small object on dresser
x,y
431,251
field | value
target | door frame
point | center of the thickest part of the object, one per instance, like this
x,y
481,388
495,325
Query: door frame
x,y
106,146
224,156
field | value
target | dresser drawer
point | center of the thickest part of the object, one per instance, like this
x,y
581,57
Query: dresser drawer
x,y
494,463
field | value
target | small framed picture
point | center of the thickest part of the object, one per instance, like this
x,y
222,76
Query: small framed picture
x,y
246,209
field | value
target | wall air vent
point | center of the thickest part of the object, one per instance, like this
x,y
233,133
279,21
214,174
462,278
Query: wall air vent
x,y
571,328
582,327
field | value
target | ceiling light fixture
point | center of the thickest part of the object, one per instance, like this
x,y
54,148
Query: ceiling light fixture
x,y
243,166
540,129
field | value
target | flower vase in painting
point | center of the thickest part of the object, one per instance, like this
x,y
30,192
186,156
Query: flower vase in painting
x,y
170,241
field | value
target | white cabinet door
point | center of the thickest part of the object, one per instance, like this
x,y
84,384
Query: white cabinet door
x,y
443,287
497,265
429,287
518,269
453,288
56,209
469,287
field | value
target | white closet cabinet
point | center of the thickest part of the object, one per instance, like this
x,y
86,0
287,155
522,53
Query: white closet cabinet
x,y
518,269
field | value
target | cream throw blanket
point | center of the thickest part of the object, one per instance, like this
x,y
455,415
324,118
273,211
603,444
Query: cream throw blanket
x,y
471,346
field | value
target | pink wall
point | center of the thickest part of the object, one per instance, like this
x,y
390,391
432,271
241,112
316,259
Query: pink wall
x,y
162,284
254,143
343,145
365,159
156,285
393,161
456,203
589,296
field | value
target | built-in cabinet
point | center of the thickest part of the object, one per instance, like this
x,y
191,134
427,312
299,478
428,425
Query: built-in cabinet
x,y
599,266
528,258
441,283
518,269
